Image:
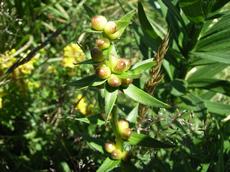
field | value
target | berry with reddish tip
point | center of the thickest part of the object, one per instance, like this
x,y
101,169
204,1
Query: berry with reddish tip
x,y
103,71
103,43
110,28
97,55
98,23
120,66
109,147
114,81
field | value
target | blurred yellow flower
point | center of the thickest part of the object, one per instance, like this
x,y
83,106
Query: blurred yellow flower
x,y
72,54
7,59
81,104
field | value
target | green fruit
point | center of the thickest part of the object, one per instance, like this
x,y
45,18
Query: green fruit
x,y
117,154
123,129
97,55
98,23
120,65
109,147
110,28
114,81
103,71
122,124
103,43
126,133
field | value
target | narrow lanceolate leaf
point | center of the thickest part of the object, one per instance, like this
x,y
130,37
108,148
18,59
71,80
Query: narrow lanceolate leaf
x,y
108,165
110,99
217,108
145,24
84,82
193,10
96,146
132,116
91,120
214,44
124,21
90,61
144,98
146,141
212,84
91,80
138,69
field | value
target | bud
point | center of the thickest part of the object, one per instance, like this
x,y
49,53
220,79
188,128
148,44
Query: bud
x,y
103,71
120,66
122,124
126,133
128,64
103,43
109,147
126,81
98,23
97,55
110,28
114,81
117,154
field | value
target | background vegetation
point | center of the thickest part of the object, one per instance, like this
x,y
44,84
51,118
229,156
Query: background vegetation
x,y
48,124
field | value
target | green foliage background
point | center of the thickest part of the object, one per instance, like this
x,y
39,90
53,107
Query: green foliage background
x,y
40,128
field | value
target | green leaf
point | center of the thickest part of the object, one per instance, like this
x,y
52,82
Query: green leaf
x,y
193,9
142,97
90,61
138,69
64,167
201,71
91,120
89,10
132,116
145,24
110,99
213,44
218,108
216,85
146,141
217,56
108,165
123,22
91,80
96,146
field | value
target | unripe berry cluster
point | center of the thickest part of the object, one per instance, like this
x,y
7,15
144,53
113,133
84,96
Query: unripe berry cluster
x,y
114,151
109,28
108,68
124,129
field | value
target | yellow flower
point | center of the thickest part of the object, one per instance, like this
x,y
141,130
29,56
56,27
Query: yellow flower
x,y
72,54
81,104
7,59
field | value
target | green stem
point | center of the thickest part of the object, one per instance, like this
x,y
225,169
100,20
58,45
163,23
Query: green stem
x,y
114,122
